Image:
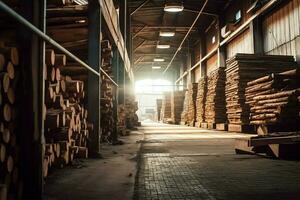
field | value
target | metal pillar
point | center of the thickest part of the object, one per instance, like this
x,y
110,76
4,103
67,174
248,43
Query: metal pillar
x,y
94,60
32,53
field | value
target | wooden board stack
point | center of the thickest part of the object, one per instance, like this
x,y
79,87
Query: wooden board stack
x,y
241,69
177,99
10,101
121,120
108,125
66,126
193,88
274,101
131,107
215,110
166,108
188,115
158,109
201,98
184,113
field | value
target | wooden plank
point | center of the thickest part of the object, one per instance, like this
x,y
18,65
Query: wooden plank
x,y
261,141
241,146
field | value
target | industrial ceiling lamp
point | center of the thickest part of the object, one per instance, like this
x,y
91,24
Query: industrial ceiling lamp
x,y
173,7
156,67
81,2
166,34
163,46
158,60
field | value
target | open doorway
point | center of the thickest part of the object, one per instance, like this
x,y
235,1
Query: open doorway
x,y
147,92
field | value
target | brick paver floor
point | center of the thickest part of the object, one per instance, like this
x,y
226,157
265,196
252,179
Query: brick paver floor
x,y
201,174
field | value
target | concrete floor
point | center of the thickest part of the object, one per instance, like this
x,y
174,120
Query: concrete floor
x,y
109,178
177,162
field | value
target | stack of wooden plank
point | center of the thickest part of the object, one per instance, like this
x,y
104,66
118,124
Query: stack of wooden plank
x,y
184,113
273,100
121,119
166,108
108,123
188,115
201,98
158,109
177,99
241,69
215,110
191,112
66,126
131,107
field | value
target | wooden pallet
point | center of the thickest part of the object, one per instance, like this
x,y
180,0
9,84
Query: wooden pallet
x,y
279,147
267,129
211,126
204,125
241,128
198,124
222,127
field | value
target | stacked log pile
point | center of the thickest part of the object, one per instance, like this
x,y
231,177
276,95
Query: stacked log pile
x,y
158,108
188,115
243,68
184,118
177,99
274,99
192,95
215,110
131,107
121,120
65,118
108,125
10,100
201,98
166,108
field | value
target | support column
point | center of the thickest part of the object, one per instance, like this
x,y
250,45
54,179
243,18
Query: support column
x,y
221,49
32,53
115,72
202,54
257,35
121,82
94,60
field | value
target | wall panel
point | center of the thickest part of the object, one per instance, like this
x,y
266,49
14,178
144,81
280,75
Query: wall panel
x,y
242,44
212,63
281,30
197,73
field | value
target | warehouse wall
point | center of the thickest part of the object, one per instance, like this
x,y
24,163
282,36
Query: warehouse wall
x,y
212,32
197,72
212,63
281,30
242,44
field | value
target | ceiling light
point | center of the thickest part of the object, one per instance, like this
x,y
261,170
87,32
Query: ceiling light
x,y
163,46
158,60
156,67
166,34
80,21
81,2
173,7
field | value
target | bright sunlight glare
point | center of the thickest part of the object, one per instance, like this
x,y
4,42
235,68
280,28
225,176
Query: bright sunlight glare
x,y
153,86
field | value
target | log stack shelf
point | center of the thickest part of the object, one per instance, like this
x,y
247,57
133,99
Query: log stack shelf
x,y
43,73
